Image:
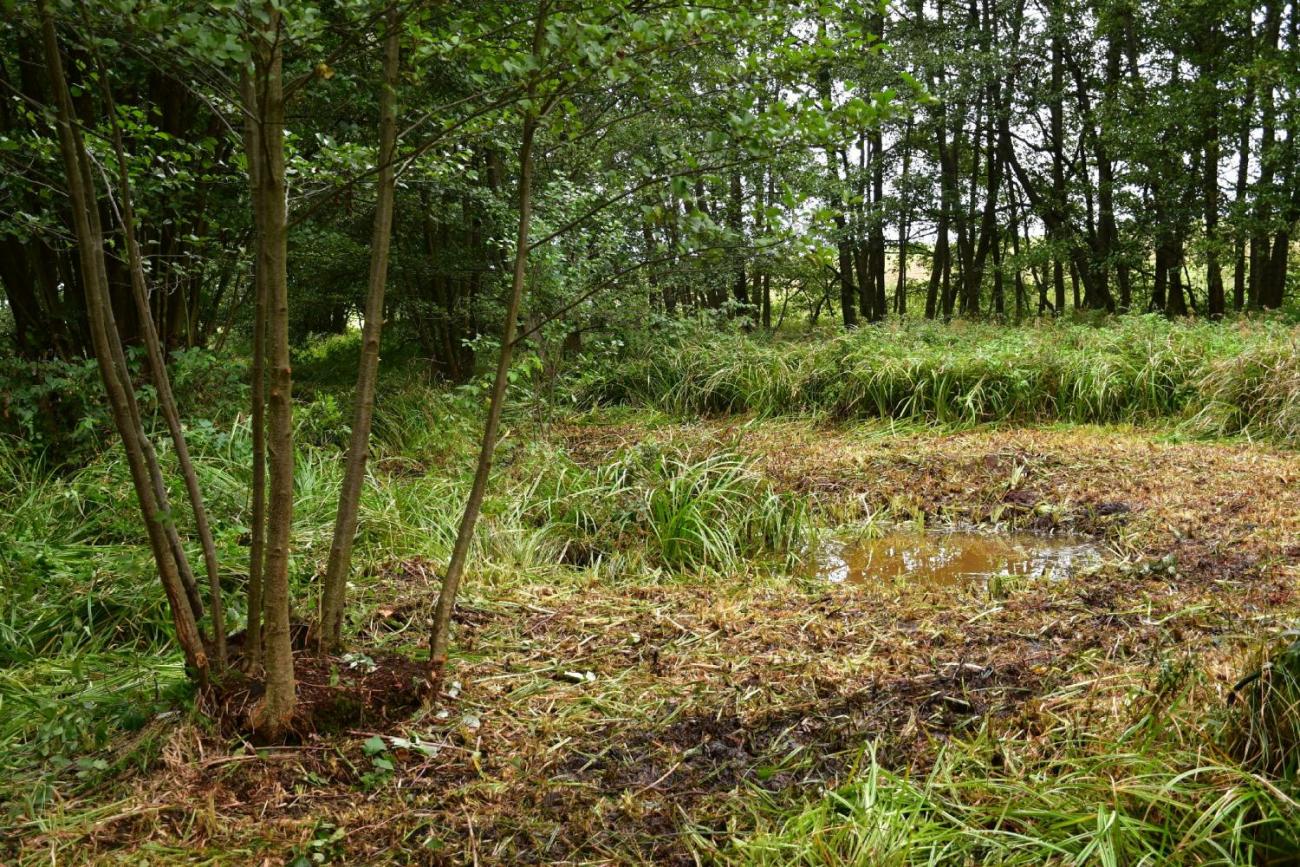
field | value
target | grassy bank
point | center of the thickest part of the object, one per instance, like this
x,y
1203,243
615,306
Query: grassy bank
x,y
1216,380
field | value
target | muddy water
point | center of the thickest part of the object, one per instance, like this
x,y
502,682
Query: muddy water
x,y
953,557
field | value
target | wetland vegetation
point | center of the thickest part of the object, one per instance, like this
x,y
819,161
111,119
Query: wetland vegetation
x,y
680,433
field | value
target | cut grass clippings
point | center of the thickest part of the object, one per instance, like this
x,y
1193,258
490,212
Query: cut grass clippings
x,y
616,699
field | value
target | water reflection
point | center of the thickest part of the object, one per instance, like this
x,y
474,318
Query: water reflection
x,y
953,557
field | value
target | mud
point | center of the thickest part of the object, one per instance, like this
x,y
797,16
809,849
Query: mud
x,y
704,694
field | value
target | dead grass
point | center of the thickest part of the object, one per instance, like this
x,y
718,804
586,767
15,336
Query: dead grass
x,y
598,717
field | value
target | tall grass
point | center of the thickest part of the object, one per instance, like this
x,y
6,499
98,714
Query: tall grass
x,y
1178,779
84,630
1113,808
1218,378
678,513
85,633
1264,731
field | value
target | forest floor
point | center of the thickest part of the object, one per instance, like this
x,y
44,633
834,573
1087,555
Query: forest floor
x,y
626,718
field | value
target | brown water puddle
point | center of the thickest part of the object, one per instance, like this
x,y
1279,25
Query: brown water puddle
x,y
953,557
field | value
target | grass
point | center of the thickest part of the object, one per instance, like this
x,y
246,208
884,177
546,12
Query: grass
x,y
80,607
1220,380
685,514
1112,807
642,672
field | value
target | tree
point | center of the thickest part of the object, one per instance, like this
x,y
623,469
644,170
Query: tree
x,y
334,589
265,155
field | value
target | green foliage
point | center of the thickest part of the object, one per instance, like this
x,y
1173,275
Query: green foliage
x,y
81,606
326,846
53,410
685,514
1255,390
1108,807
1264,730
55,413
1220,380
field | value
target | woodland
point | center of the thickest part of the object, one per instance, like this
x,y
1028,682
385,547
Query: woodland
x,y
650,432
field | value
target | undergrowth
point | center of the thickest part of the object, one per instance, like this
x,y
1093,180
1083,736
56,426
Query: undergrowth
x,y
1172,778
1216,379
85,650
81,608
1112,806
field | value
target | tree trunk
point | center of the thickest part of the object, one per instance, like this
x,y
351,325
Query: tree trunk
x,y
1214,298
253,644
334,591
1058,152
273,714
441,634
162,382
1274,294
1260,246
904,219
1243,185
735,222
107,346
876,228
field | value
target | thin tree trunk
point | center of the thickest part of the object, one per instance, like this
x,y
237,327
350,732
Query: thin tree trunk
x,y
1058,152
1289,207
1260,248
158,368
257,420
900,290
880,305
441,635
1214,298
767,302
272,715
1243,183
334,593
848,310
1014,230
999,300
735,222
107,346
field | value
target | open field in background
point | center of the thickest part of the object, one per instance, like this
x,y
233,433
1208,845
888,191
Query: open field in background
x,y
645,672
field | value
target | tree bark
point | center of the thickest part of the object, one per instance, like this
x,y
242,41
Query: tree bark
x,y
1243,185
735,222
107,346
273,714
1260,246
904,219
253,644
1058,153
162,382
441,635
880,304
334,592
1214,300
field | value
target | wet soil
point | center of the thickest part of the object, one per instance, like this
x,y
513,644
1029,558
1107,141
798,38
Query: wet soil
x,y
637,720
336,693
952,557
